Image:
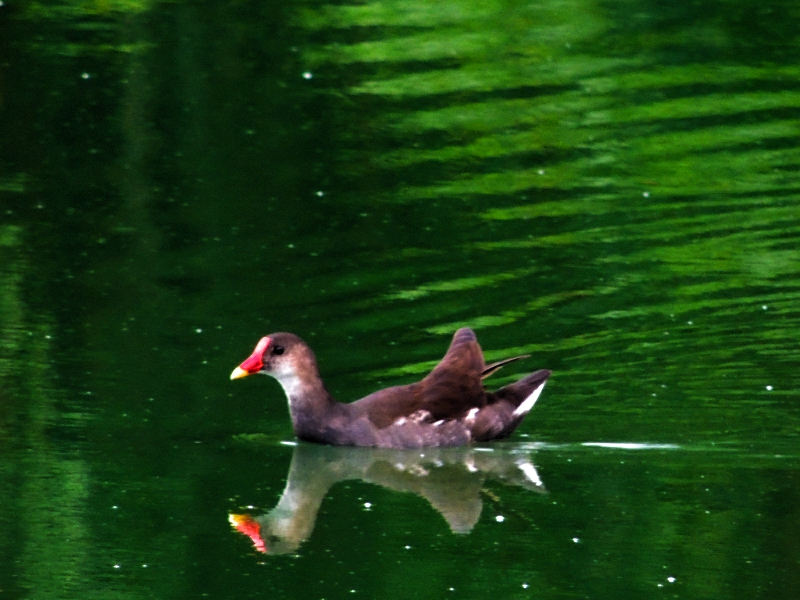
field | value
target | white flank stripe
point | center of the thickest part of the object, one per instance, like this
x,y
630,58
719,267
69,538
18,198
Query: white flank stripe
x,y
528,403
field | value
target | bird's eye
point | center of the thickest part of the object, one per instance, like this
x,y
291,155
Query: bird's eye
x,y
278,350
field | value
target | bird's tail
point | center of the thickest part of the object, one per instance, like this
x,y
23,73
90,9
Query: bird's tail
x,y
523,394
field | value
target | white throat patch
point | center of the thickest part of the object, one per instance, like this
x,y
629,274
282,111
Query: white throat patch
x,y
291,385
290,382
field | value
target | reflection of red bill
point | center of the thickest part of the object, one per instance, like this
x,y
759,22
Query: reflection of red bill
x,y
250,527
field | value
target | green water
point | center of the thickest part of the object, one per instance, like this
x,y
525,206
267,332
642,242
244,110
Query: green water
x,y
610,187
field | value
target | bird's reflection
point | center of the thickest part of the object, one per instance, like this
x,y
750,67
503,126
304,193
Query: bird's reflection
x,y
451,479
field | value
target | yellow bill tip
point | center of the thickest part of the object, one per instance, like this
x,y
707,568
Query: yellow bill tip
x,y
238,373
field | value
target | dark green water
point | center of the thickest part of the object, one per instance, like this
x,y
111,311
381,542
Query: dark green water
x,y
611,187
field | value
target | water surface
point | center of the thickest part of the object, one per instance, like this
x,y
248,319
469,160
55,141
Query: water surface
x,y
609,187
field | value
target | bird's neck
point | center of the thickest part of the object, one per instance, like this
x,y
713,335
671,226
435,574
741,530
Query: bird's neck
x,y
310,403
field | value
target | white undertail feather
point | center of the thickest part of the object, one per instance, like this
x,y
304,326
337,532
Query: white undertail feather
x,y
528,403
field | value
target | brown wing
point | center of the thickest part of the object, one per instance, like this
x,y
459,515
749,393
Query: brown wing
x,y
454,386
494,367
385,406
448,392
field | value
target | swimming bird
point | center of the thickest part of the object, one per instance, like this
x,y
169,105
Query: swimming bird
x,y
448,407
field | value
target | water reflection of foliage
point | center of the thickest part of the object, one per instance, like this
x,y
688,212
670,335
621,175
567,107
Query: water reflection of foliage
x,y
45,487
651,157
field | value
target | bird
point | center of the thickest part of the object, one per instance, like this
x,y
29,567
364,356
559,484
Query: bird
x,y
448,407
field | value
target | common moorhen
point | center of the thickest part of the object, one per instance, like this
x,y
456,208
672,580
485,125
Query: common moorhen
x,y
449,407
